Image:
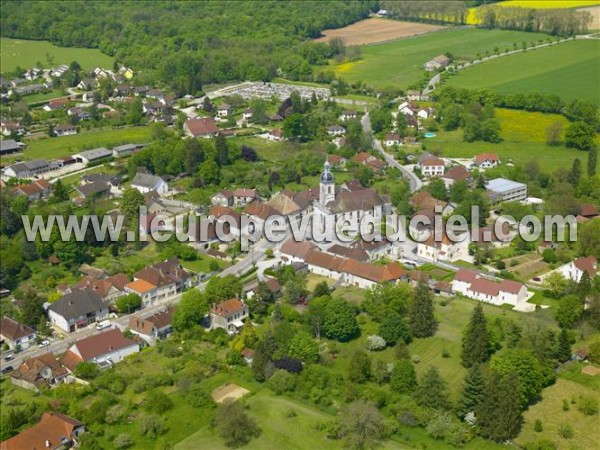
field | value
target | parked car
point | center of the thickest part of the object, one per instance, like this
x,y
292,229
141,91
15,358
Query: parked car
x,y
6,369
102,325
44,343
9,358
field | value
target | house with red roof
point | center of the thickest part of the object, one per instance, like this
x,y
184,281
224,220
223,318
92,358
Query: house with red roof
x,y
201,127
487,160
35,190
106,347
432,167
574,270
229,315
53,431
475,285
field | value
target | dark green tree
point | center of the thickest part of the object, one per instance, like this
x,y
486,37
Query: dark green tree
x,y
432,391
234,425
394,328
476,344
584,287
359,367
60,193
580,135
222,150
403,379
563,352
421,318
576,172
592,161
499,415
473,391
340,321
131,201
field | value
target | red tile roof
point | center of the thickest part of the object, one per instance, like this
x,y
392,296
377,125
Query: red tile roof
x,y
203,126
52,427
12,330
458,173
587,264
100,344
432,162
482,157
297,249
466,276
588,210
228,307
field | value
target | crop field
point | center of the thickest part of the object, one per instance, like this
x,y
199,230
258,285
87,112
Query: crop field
x,y
550,412
371,31
400,63
523,139
595,12
570,70
26,54
536,4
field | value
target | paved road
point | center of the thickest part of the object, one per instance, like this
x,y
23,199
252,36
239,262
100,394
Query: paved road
x,y
414,182
58,346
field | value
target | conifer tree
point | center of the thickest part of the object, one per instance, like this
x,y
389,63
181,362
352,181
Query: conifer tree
x,y
432,391
422,320
564,346
476,346
473,391
404,378
584,287
499,415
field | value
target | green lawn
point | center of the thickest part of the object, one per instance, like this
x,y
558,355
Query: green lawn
x,y
401,62
277,430
202,264
550,412
68,145
570,70
549,158
26,54
42,96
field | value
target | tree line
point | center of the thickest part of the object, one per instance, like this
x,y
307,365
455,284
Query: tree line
x,y
185,45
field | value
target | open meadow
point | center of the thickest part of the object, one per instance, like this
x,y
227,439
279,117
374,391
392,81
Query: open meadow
x,y
400,63
570,70
550,412
26,54
56,147
523,139
371,31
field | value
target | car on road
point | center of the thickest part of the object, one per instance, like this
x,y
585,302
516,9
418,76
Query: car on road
x,y
44,343
6,369
102,325
9,358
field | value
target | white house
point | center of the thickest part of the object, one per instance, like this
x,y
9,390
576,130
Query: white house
x,y
347,115
408,109
275,135
392,139
247,114
487,160
29,169
426,113
94,155
432,167
474,285
145,182
224,110
443,249
15,334
65,130
574,270
107,347
77,309
336,130
503,190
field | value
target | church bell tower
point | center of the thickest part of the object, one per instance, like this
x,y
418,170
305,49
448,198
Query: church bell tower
x,y
327,186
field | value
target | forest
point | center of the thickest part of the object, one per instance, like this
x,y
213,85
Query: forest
x,y
188,44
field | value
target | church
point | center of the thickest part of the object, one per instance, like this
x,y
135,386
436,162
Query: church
x,y
350,201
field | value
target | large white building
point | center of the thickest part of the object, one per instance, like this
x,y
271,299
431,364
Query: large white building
x,y
474,285
503,190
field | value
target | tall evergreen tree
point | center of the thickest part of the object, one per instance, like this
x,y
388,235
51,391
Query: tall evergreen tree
x,y
592,161
563,352
473,391
575,174
476,345
420,313
499,416
584,287
404,378
222,150
432,391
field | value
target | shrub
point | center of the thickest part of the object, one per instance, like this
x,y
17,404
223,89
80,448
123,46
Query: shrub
x,y
152,426
123,440
445,353
292,365
537,426
375,343
588,405
282,381
566,405
114,414
198,397
565,431
158,401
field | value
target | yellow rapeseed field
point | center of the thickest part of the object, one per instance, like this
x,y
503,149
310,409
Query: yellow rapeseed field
x,y
537,4
524,126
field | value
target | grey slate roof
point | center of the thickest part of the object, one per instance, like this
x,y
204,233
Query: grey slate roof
x,y
90,189
9,145
32,165
96,153
78,303
146,180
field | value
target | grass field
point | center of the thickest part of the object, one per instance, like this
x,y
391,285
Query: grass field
x,y
26,54
278,430
67,145
550,412
570,70
524,136
401,62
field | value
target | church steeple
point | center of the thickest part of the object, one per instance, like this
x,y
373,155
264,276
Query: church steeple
x,y
327,185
